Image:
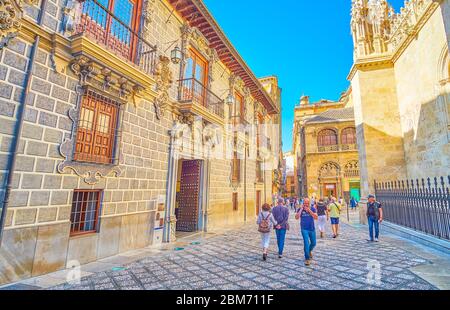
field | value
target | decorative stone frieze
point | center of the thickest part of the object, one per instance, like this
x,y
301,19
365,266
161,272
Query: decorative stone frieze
x,y
116,85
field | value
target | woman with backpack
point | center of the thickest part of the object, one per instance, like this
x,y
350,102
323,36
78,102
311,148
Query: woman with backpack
x,y
265,222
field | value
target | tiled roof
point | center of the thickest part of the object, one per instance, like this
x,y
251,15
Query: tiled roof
x,y
333,115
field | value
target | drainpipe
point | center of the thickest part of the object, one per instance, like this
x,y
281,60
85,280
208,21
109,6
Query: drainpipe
x,y
245,184
264,179
16,136
19,123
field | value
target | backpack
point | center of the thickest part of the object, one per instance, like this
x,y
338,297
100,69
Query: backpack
x,y
372,210
264,226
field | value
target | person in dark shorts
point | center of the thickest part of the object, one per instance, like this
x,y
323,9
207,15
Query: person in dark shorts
x,y
334,208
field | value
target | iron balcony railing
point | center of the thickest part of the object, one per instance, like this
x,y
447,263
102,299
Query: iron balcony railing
x,y
423,205
99,24
191,90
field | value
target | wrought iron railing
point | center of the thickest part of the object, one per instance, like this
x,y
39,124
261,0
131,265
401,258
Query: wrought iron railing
x,y
101,25
423,205
192,90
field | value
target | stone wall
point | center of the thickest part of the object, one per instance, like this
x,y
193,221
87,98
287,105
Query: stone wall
x,y
377,120
37,235
423,102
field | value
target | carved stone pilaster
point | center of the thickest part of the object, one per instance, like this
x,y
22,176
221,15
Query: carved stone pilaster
x,y
164,81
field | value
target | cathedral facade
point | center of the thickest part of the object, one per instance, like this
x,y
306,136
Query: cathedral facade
x,y
400,84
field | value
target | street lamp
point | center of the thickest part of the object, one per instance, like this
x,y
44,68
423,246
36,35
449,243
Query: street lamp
x,y
176,55
230,99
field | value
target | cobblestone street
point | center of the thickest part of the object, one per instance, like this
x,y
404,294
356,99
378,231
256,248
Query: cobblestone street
x,y
232,260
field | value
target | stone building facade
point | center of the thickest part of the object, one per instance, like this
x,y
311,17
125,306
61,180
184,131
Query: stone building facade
x,y
400,88
326,155
129,118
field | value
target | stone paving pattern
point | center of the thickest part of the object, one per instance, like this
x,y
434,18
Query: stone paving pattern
x,y
232,261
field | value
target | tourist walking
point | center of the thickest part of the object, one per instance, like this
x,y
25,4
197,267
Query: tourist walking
x,y
334,208
374,217
353,203
307,214
265,222
322,212
281,216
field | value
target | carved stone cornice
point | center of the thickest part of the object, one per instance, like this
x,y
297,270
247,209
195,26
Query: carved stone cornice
x,y
91,73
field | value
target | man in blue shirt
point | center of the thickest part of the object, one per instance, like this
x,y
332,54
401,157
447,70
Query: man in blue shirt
x,y
281,215
307,214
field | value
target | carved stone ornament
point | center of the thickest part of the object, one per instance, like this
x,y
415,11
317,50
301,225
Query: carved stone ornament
x,y
84,68
11,12
329,170
91,173
105,79
164,81
186,118
69,12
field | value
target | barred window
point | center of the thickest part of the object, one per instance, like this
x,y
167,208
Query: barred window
x,y
85,211
327,137
236,177
235,202
348,136
97,129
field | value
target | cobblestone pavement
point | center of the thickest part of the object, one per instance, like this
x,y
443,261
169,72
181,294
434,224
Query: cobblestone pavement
x,y
232,261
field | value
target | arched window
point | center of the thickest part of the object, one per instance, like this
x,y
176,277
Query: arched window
x,y
327,137
348,136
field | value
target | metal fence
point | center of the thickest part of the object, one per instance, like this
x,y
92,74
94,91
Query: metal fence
x,y
423,205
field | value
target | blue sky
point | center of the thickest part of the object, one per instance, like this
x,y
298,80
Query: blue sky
x,y
307,44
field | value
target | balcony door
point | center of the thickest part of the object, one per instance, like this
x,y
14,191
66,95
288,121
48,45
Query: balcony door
x,y
196,76
114,23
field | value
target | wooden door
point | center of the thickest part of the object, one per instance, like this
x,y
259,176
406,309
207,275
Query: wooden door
x,y
188,210
258,202
329,190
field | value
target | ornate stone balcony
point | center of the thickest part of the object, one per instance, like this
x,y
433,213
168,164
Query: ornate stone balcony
x,y
195,98
96,22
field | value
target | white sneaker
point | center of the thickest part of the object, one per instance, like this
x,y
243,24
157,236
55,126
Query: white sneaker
x,y
376,239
